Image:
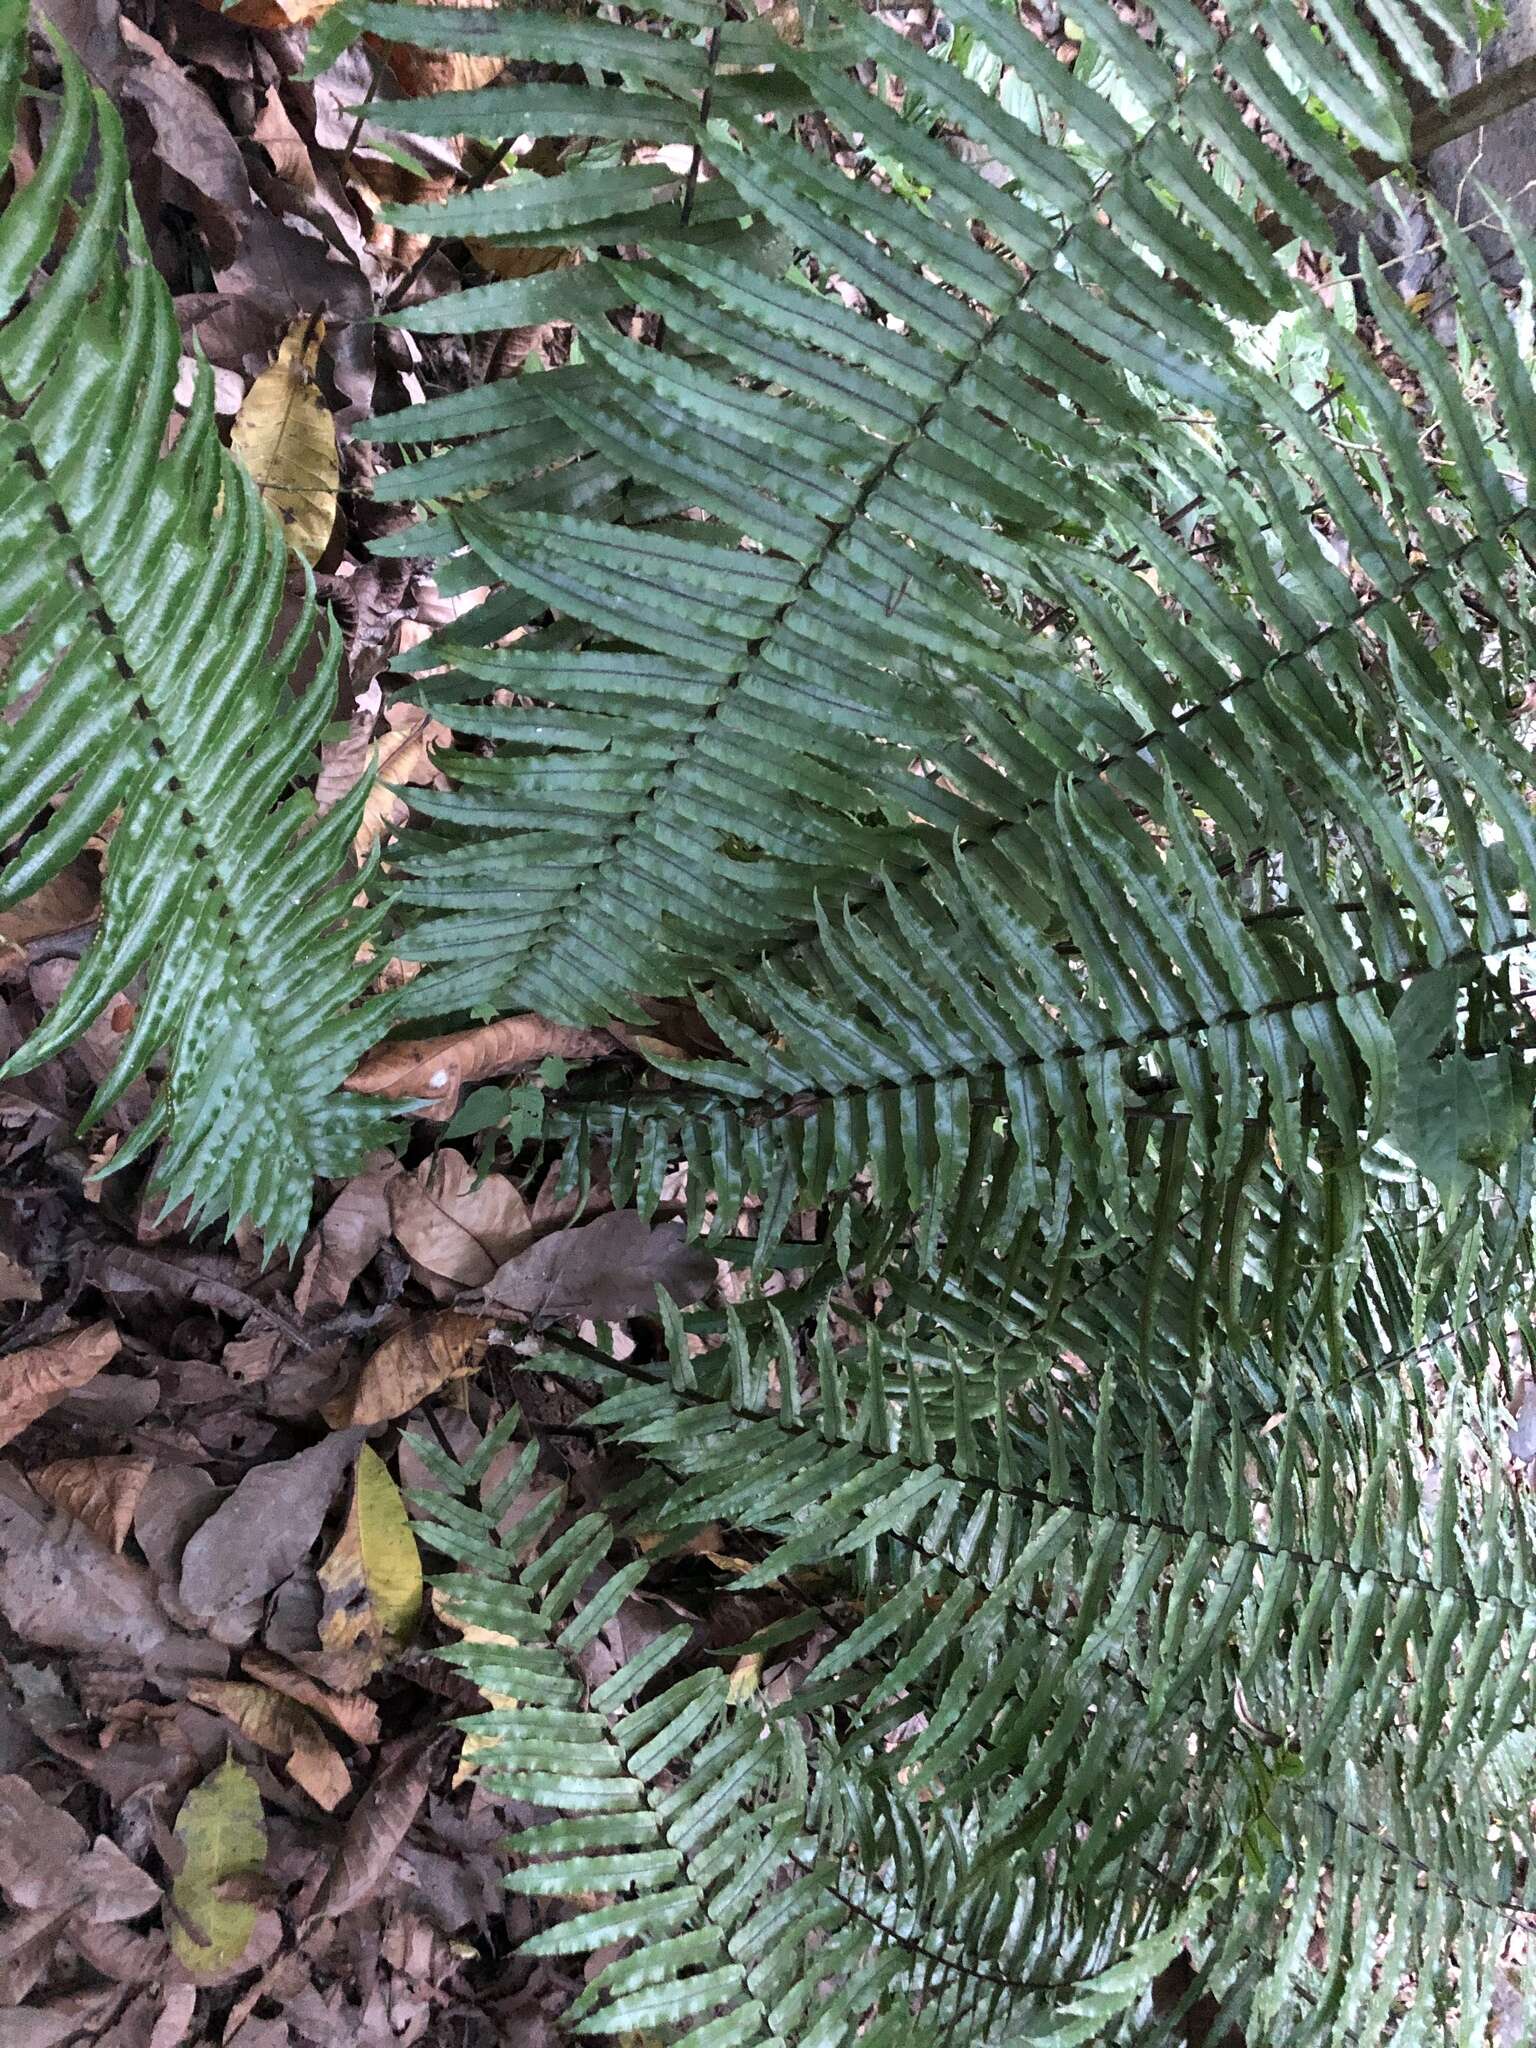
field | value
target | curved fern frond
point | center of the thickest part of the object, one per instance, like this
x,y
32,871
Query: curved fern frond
x,y
750,1911
1052,749
148,683
1122,1653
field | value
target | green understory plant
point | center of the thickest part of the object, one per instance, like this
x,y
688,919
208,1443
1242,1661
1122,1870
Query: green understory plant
x,y
1042,681
148,688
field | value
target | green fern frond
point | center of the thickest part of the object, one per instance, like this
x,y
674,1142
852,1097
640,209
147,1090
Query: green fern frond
x,y
1002,754
143,591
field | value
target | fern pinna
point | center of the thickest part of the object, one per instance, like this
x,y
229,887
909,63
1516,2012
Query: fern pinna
x,y
146,683
1042,678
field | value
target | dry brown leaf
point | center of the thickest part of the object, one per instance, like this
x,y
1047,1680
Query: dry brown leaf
x,y
421,73
271,14
32,1381
16,1283
404,751
350,1234
274,1722
452,1230
72,897
428,1353
101,1492
286,438
514,263
353,1713
602,1272
436,1070
255,1538
378,1825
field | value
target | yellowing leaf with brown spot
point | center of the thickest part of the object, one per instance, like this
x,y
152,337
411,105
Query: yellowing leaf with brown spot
x,y
286,439
372,1579
223,1840
284,1727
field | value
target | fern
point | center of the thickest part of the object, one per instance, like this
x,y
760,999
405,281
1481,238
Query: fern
x,y
1052,827
148,684
1074,777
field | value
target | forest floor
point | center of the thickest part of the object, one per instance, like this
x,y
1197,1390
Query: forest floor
x,y
184,1537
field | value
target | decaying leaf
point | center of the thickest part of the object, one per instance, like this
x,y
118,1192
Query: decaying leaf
x,y
275,1722
286,438
429,1352
435,1070
48,1864
33,1380
72,897
372,1579
402,755
271,14
223,1840
514,263
603,1271
60,1589
421,73
350,1235
101,1492
452,1230
16,1283
353,1713
378,1825
253,1540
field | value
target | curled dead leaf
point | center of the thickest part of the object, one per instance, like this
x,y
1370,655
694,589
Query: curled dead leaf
x,y
350,1234
353,1713
429,1352
274,1722
285,437
403,749
378,1825
452,1230
436,1070
34,1379
101,1492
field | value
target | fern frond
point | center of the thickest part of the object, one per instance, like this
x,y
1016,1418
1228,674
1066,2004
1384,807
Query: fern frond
x,y
1002,753
148,683
752,1917
1093,1635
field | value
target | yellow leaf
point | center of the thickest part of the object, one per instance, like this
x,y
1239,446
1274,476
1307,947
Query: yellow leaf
x,y
223,1838
372,1579
285,437
746,1676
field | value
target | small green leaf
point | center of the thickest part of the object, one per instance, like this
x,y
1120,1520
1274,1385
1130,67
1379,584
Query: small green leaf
x,y
223,1838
